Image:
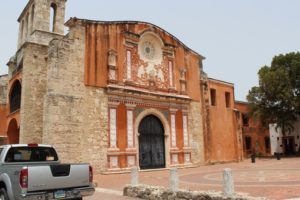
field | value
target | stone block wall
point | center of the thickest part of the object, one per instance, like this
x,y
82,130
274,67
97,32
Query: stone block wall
x,y
3,89
62,125
196,133
33,91
75,116
95,129
3,104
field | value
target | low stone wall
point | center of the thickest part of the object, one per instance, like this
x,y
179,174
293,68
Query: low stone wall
x,y
160,193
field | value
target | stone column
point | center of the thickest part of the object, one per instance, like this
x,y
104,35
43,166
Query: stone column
x,y
173,127
130,136
113,159
228,185
185,131
186,143
174,156
173,179
113,128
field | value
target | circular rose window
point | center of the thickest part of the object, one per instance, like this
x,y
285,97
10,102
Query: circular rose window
x,y
150,48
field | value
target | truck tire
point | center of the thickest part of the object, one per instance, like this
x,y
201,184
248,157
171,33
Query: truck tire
x,y
3,194
80,198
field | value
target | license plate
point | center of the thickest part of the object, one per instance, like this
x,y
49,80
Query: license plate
x,y
59,194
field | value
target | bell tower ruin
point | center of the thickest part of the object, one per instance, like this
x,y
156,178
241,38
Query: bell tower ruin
x,y
41,21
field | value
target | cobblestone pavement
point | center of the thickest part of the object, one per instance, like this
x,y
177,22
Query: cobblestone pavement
x,y
271,178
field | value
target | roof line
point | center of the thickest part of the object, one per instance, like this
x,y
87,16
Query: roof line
x,y
72,19
217,80
243,102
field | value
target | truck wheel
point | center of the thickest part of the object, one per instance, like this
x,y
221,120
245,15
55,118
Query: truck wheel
x,y
80,198
3,194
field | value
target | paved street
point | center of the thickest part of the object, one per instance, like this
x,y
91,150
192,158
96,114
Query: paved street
x,y
275,179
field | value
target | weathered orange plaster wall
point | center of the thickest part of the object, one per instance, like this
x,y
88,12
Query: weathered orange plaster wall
x,y
3,120
255,130
100,38
13,119
122,133
223,134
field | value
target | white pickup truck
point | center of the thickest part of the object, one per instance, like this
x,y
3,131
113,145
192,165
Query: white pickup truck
x,y
34,172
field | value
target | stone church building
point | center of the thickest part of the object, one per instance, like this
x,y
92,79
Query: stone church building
x,y
114,94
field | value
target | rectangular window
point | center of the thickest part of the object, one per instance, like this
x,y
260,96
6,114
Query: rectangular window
x,y
245,119
128,56
248,143
213,97
227,99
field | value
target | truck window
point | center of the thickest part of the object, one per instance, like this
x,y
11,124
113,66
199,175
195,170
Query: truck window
x,y
31,154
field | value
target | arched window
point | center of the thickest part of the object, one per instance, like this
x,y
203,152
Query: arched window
x,y
15,97
32,17
53,10
27,25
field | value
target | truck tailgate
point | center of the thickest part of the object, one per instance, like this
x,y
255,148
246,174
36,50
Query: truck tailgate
x,y
58,176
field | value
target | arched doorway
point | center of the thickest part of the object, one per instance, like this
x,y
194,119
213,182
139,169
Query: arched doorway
x,y
151,143
13,132
15,97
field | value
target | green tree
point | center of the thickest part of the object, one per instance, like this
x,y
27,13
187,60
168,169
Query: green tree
x,y
277,98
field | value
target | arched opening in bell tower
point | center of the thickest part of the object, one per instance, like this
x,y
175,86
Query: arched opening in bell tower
x,y
53,12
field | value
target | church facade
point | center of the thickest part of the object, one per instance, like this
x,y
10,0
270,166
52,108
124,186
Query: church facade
x,y
115,94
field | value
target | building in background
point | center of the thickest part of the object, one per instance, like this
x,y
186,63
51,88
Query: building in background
x,y
223,138
288,143
256,136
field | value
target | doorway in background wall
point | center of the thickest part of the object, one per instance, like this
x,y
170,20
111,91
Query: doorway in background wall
x,y
288,145
13,132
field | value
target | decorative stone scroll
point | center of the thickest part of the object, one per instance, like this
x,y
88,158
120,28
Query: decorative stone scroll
x,y
114,163
131,161
183,88
187,158
174,158
112,66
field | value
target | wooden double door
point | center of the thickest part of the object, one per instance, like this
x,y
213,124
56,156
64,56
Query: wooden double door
x,y
151,143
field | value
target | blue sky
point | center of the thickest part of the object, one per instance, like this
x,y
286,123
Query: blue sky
x,y
236,37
